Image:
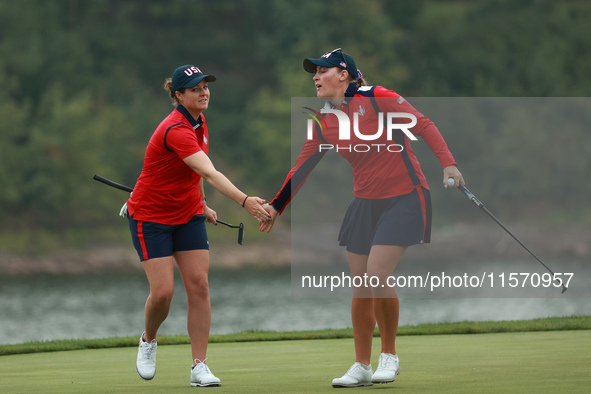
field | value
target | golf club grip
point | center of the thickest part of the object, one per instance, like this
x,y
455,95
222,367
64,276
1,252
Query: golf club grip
x,y
471,196
112,184
464,190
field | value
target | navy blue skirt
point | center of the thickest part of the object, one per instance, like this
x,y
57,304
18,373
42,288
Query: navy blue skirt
x,y
402,220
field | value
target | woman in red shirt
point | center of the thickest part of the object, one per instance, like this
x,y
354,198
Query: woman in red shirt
x,y
391,206
167,214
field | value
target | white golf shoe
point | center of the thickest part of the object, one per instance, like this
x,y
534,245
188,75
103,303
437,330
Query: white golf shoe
x,y
201,376
388,368
146,359
358,375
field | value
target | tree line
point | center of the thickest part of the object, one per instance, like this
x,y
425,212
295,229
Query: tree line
x,y
82,90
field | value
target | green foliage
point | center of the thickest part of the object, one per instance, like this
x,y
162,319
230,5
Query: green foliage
x,y
502,48
82,89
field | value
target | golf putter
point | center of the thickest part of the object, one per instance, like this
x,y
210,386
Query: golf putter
x,y
240,228
480,205
129,189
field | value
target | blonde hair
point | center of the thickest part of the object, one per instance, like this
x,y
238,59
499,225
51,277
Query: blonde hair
x,y
168,87
358,81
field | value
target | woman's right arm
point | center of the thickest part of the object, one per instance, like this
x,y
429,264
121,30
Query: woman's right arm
x,y
202,165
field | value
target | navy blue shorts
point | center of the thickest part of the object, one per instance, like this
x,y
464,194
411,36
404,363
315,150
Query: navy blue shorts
x,y
402,220
152,240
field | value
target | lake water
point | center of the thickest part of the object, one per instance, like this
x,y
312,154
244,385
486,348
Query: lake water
x,y
47,307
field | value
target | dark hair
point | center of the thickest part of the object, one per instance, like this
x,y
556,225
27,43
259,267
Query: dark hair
x,y
168,87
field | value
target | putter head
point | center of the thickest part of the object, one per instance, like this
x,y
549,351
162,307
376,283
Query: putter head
x,y
240,233
561,283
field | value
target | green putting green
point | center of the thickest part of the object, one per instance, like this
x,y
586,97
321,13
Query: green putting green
x,y
552,361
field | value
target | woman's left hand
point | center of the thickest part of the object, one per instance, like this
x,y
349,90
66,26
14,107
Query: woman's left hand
x,y
452,172
210,215
268,225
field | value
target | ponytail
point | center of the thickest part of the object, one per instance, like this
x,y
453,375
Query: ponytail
x,y
168,88
358,79
360,82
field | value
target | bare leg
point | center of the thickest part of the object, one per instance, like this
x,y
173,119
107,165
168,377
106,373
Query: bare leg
x,y
362,311
194,267
160,273
382,261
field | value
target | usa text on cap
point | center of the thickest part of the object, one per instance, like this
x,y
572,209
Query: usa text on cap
x,y
188,76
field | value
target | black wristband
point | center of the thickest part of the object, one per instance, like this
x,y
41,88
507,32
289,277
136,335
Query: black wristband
x,y
244,202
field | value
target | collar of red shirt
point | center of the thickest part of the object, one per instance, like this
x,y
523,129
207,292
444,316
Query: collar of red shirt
x,y
194,123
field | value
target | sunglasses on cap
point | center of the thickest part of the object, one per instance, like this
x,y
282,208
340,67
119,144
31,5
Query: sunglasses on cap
x,y
338,50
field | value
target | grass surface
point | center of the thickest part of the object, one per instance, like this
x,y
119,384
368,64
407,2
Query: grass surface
x,y
516,362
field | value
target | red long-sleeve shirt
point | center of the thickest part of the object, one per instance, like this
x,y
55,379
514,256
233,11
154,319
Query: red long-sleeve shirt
x,y
382,167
